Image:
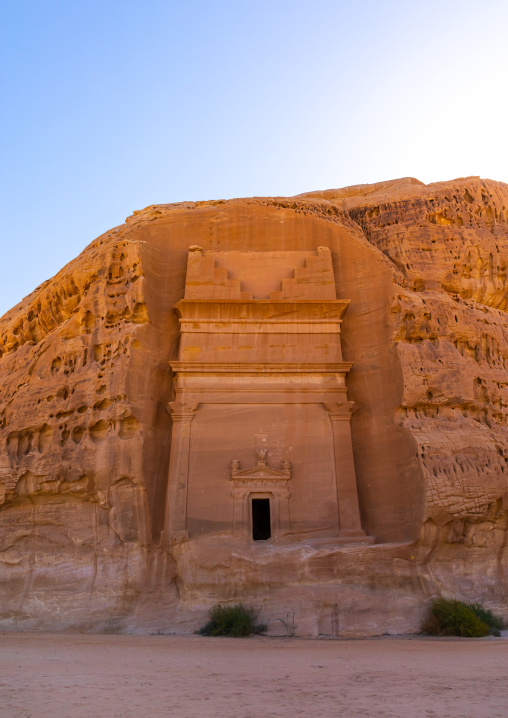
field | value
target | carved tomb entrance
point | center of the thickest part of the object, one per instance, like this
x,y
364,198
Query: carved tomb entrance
x,y
261,444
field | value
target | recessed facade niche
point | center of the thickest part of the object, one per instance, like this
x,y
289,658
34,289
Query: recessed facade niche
x,y
261,441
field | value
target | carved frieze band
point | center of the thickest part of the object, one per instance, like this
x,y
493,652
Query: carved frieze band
x,y
243,492
189,367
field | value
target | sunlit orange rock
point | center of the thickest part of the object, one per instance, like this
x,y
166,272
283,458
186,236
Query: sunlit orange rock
x,y
96,361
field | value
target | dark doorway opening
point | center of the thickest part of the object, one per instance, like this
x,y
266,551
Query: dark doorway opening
x,y
261,525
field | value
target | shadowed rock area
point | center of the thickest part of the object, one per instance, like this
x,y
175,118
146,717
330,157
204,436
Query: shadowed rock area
x,y
85,434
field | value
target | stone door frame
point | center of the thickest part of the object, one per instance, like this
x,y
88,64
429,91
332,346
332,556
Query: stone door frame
x,y
243,492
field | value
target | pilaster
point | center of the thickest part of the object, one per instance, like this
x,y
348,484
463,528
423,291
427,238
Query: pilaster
x,y
178,478
345,474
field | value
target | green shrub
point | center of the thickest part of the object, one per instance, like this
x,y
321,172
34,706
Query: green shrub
x,y
236,621
495,623
454,618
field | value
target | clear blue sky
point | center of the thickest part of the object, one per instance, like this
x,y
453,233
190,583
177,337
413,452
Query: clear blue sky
x,y
108,106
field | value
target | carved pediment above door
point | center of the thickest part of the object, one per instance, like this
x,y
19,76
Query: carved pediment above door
x,y
261,471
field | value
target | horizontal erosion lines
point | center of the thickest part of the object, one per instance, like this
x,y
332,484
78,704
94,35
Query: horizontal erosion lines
x,y
452,411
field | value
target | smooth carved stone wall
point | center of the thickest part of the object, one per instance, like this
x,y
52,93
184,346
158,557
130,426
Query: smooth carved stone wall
x,y
85,434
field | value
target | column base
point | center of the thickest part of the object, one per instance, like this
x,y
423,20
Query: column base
x,y
354,536
171,539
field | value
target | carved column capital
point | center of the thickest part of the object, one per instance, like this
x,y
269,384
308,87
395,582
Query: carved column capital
x,y
180,411
340,412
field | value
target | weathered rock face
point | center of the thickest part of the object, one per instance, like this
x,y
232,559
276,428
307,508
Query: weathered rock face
x,y
85,435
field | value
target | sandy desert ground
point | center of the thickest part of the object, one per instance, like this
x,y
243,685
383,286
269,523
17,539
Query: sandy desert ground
x,y
79,676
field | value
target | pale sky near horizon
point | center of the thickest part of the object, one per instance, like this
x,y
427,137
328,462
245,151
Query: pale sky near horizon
x,y
114,105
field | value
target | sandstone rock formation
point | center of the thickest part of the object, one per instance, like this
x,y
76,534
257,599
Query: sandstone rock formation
x,y
85,432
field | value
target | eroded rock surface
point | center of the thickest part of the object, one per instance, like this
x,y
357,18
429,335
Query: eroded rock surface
x,y
85,433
